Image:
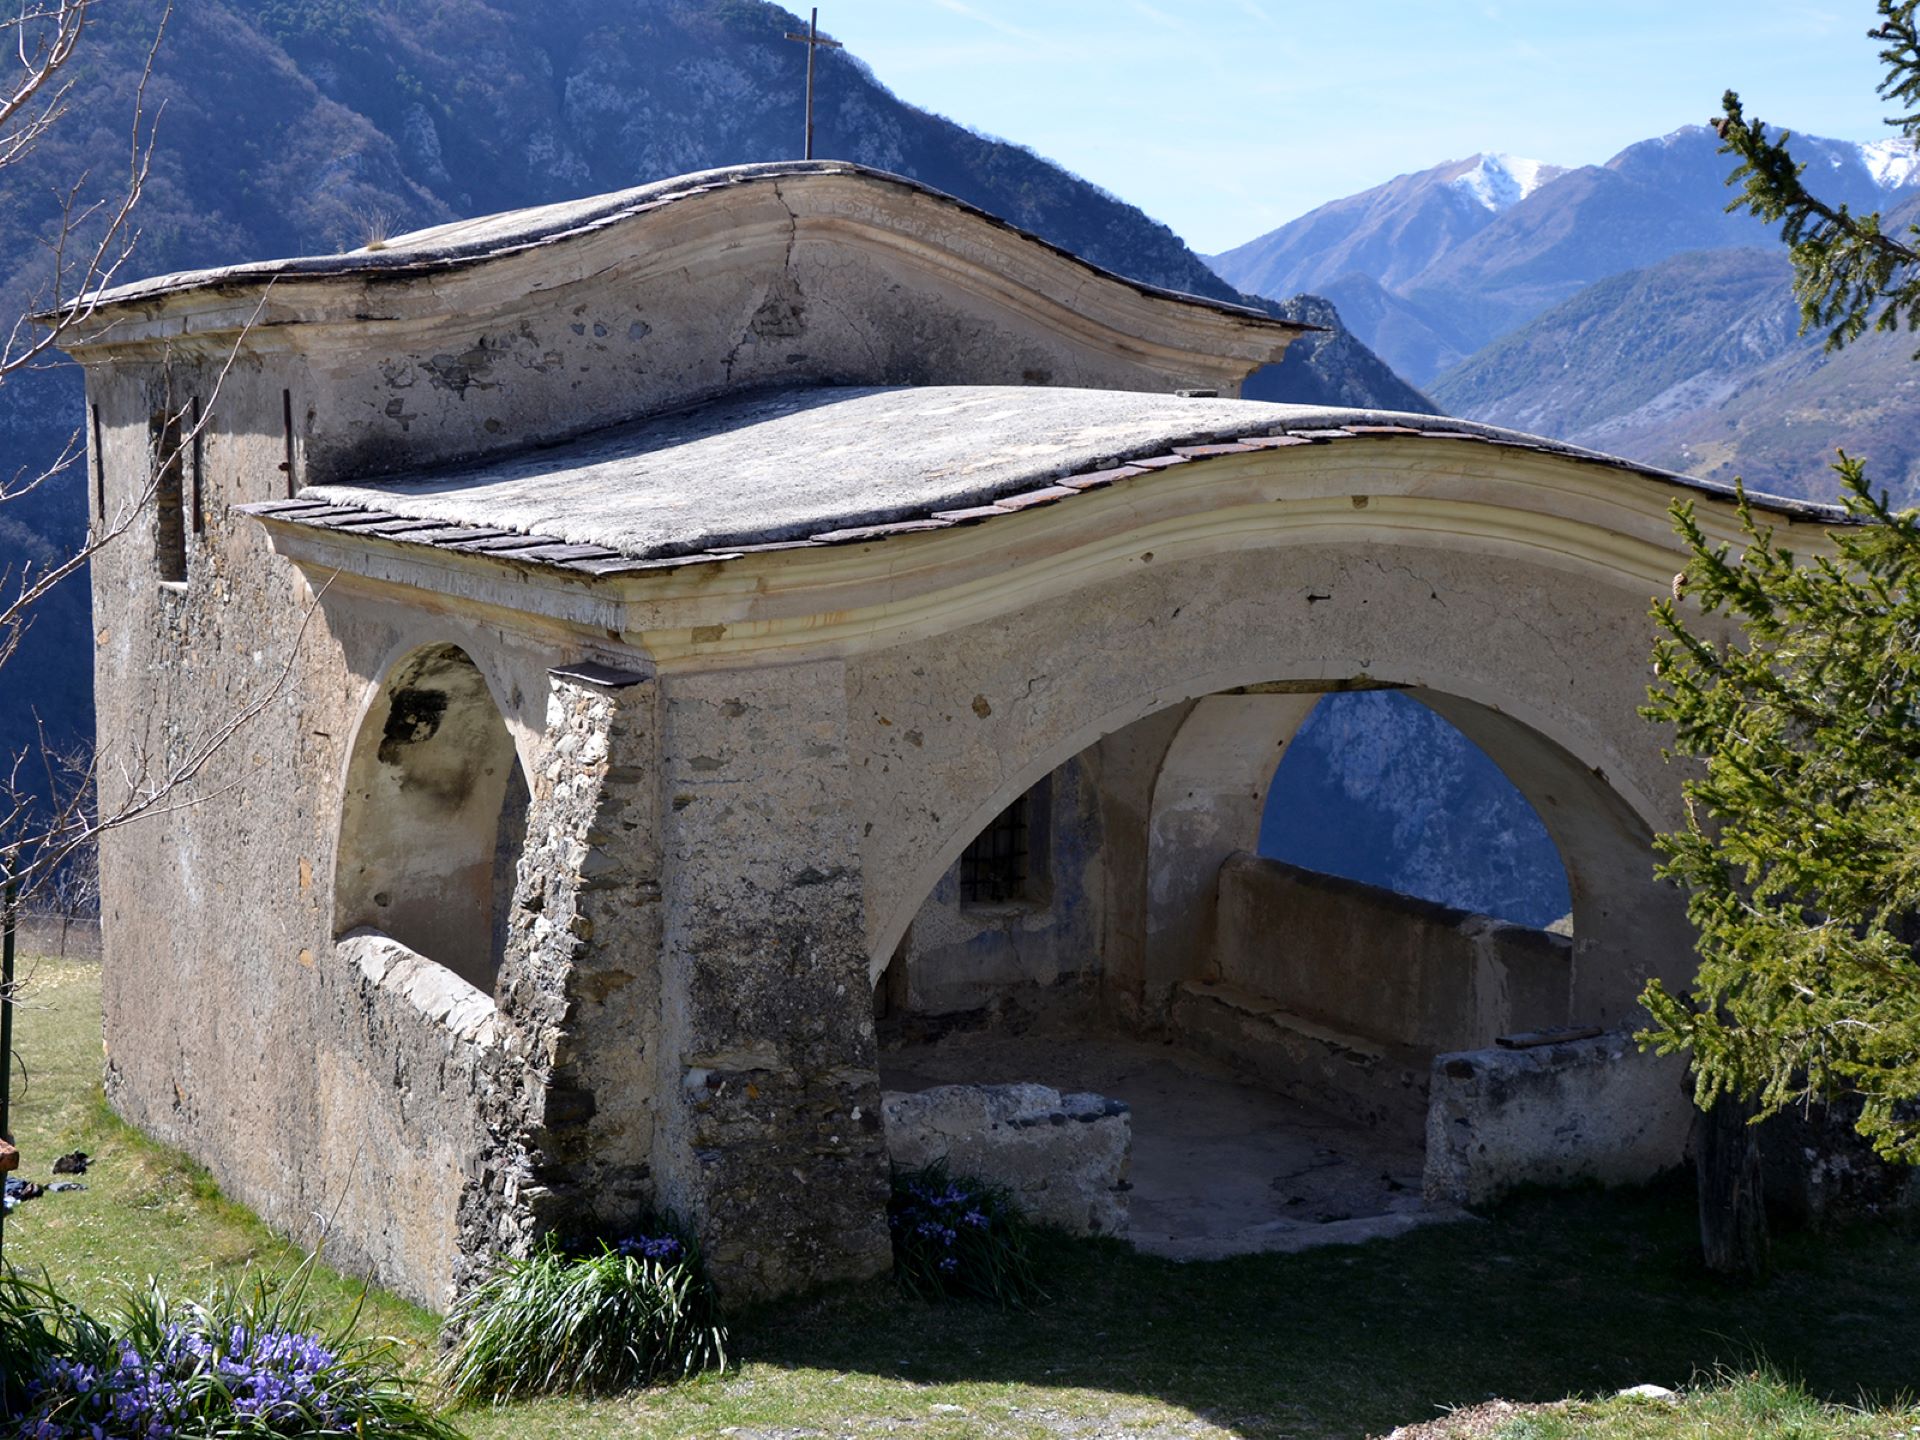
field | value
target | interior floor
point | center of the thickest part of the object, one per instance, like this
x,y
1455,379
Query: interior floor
x,y
1220,1165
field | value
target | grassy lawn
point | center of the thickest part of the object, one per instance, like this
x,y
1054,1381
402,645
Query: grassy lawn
x,y
147,1210
1553,1296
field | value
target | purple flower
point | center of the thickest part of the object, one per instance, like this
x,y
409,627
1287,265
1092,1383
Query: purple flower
x,y
280,1378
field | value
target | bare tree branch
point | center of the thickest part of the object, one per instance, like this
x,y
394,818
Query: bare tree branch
x,y
51,799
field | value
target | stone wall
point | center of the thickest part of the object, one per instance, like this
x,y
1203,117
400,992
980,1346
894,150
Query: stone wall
x,y
1339,993
1389,968
325,1097
1819,1171
569,1139
960,956
770,1133
406,1059
1596,1109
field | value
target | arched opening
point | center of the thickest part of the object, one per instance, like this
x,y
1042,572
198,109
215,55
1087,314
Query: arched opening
x,y
1379,788
434,817
1272,1028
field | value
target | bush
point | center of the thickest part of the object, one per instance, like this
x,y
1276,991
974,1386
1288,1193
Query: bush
x,y
958,1236
610,1318
249,1362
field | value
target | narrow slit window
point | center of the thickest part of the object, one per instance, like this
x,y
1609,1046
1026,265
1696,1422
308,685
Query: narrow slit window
x,y
199,472
99,472
169,508
286,425
1006,861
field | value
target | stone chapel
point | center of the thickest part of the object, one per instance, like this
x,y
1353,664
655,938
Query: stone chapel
x,y
697,628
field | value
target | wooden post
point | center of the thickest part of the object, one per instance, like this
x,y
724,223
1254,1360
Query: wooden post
x,y
1726,1164
9,910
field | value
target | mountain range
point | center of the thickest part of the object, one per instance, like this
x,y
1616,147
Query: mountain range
x,y
1447,260
1697,364
1620,306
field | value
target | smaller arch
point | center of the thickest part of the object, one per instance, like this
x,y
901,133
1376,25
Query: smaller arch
x,y
1382,788
433,817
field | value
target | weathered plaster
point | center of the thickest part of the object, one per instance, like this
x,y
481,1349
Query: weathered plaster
x,y
960,956
771,1137
1207,804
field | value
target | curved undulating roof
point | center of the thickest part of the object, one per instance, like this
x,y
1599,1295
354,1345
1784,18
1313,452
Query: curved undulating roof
x,y
461,243
826,465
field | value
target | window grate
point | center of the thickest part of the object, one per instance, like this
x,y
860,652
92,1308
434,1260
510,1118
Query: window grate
x,y
994,868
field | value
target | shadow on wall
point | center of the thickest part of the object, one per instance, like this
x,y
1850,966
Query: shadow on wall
x,y
1378,788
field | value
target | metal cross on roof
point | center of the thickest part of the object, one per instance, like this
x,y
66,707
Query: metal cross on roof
x,y
813,40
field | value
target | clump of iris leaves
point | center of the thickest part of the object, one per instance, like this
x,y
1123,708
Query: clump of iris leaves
x,y
587,1318
253,1360
957,1236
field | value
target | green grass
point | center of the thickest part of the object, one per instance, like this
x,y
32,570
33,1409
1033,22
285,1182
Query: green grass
x,y
1755,1406
1555,1296
147,1210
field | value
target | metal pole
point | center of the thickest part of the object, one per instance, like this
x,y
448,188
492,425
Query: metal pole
x,y
811,39
813,44
9,907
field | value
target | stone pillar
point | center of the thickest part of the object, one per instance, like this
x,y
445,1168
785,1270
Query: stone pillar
x,y
571,1123
769,1133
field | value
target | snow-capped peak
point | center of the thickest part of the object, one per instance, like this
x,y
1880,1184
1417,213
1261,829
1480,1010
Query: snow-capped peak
x,y
1497,181
1894,164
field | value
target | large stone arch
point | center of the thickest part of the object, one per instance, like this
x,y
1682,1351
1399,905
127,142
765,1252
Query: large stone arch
x,y
1545,673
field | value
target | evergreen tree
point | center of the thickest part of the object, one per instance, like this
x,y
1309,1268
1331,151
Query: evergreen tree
x,y
1801,855
1849,273
1801,851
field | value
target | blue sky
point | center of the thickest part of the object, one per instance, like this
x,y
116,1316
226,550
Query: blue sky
x,y
1225,118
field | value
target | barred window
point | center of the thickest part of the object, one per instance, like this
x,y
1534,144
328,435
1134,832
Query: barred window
x,y
1007,861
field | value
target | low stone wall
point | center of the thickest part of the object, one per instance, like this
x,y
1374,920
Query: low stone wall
x,y
1819,1171
398,1086
1382,1086
1381,966
1064,1158
1596,1109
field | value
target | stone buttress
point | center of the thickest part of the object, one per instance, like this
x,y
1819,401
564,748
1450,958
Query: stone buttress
x,y
719,1063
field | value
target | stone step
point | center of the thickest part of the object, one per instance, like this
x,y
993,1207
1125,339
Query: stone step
x,y
1287,1237
1374,1084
